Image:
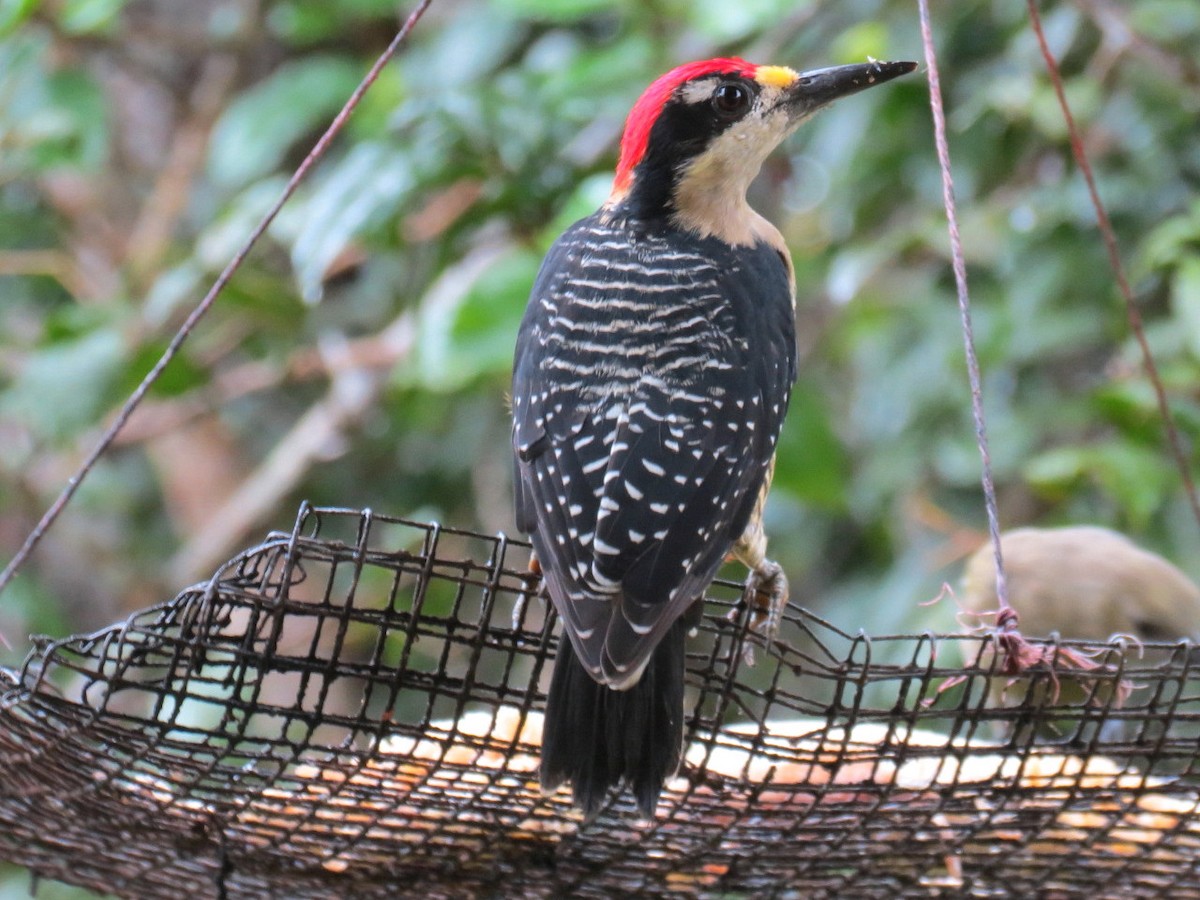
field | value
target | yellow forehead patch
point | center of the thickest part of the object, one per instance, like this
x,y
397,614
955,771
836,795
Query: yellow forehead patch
x,y
775,76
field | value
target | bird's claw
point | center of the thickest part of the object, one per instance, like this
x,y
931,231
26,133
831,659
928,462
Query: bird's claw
x,y
766,594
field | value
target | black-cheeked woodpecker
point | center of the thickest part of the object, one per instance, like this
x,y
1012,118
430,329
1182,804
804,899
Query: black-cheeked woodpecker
x,y
652,375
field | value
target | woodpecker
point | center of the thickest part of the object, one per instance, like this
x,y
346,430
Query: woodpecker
x,y
652,373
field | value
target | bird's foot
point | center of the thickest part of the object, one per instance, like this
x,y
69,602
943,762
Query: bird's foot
x,y
766,594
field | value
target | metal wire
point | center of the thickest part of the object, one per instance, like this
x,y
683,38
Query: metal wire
x,y
350,710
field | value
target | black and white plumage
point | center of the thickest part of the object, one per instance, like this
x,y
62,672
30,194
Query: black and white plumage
x,y
639,460
639,463
653,371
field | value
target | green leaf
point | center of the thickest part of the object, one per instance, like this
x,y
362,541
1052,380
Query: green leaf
x,y
65,386
59,120
810,461
173,288
1053,472
1131,405
364,189
217,244
460,342
554,10
303,22
1170,241
90,16
1185,299
28,601
181,376
1136,477
866,39
466,52
261,126
14,12
1171,21
721,21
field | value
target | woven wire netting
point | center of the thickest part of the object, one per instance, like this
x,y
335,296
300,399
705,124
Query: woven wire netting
x,y
352,709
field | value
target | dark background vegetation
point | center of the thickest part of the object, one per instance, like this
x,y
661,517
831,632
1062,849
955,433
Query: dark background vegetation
x,y
362,355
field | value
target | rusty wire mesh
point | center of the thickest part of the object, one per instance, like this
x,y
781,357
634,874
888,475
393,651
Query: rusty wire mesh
x,y
352,709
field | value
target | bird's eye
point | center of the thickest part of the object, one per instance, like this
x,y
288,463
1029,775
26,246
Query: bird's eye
x,y
731,98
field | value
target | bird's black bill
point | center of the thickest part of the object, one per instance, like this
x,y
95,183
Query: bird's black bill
x,y
821,86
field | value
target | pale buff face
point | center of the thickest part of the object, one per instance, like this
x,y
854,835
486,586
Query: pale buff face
x,y
739,152
711,191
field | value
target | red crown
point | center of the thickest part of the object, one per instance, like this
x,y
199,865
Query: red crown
x,y
649,105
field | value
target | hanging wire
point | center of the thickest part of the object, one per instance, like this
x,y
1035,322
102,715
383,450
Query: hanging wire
x,y
1006,618
202,308
1114,259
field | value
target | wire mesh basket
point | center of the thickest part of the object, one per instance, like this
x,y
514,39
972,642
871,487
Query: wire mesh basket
x,y
353,709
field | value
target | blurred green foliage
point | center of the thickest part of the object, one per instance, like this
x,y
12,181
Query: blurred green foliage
x,y
139,143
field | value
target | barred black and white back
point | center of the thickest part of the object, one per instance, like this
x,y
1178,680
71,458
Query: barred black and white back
x,y
646,411
640,458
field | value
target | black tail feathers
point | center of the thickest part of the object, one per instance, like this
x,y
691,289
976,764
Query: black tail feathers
x,y
597,738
